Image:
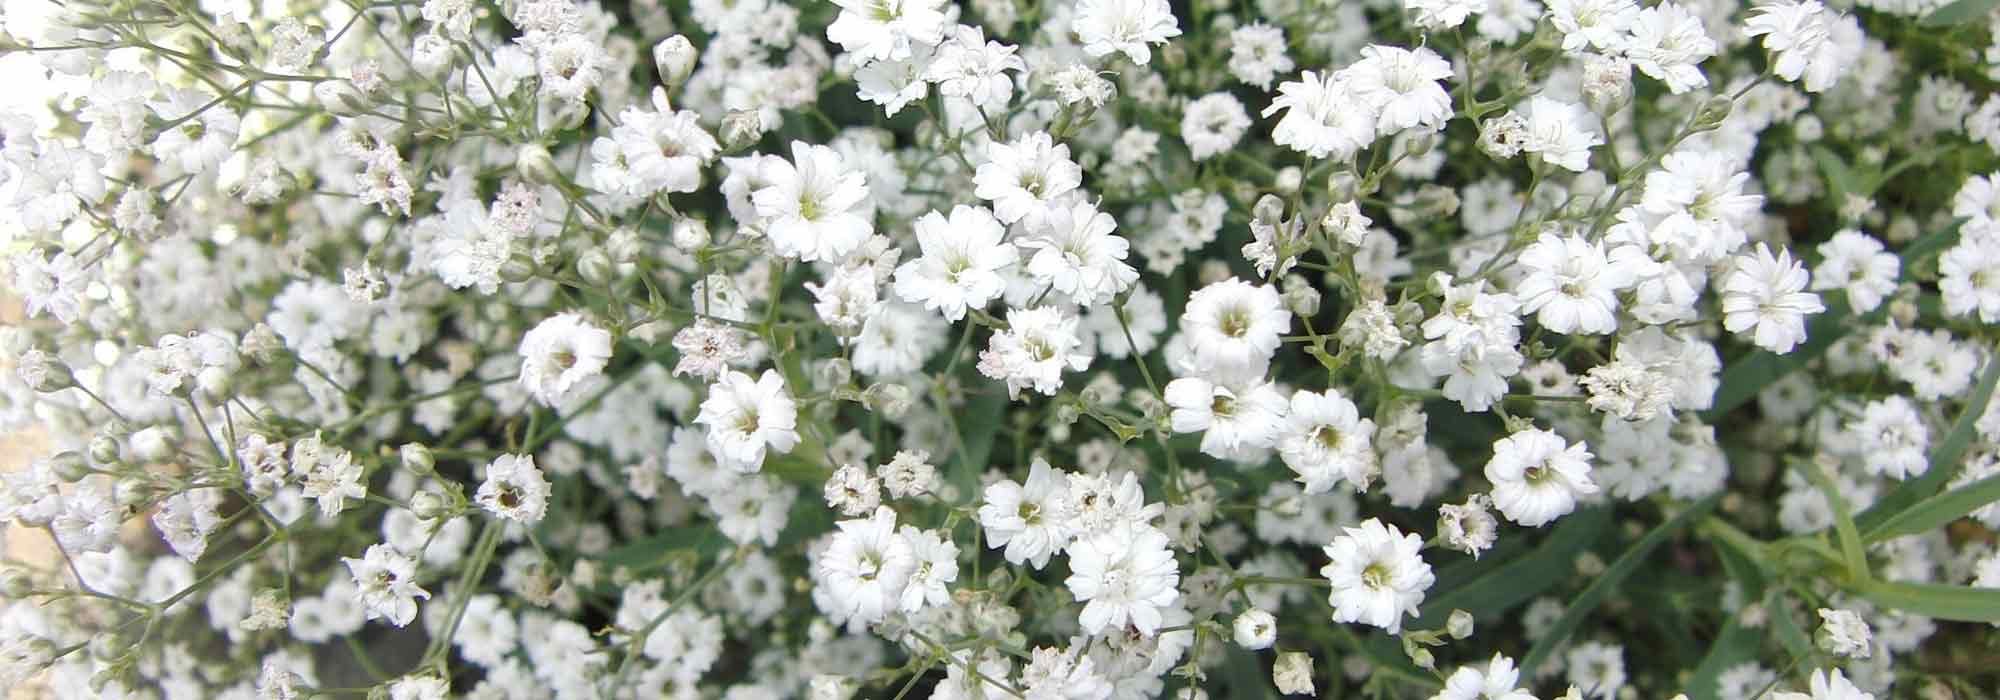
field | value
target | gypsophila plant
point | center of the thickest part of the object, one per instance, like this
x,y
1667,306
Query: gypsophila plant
x,y
1004,349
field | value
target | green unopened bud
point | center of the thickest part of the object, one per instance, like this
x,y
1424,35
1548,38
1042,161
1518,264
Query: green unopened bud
x,y
428,505
154,444
418,459
596,268
69,466
536,165
890,400
104,450
568,115
1459,624
133,493
44,372
1712,113
517,269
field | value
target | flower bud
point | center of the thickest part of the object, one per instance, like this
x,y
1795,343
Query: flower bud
x,y
133,493
536,165
104,450
675,57
43,372
428,505
15,583
567,115
740,129
1290,178
1459,624
417,458
1256,629
69,466
153,444
596,268
690,234
340,98
1301,299
1713,113
517,269
888,399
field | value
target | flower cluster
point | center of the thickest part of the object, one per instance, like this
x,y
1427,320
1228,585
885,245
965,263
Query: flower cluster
x,y
1072,350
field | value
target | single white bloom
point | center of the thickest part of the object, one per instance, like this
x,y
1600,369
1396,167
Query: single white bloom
x,y
1124,576
514,489
746,416
1378,575
561,353
817,206
1537,476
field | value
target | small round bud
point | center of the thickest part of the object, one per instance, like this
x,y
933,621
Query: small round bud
x,y
1256,629
1459,624
1302,299
1290,178
517,269
690,234
535,164
890,400
833,372
132,493
69,466
428,505
675,57
596,268
1712,113
568,115
44,372
104,449
417,458
153,444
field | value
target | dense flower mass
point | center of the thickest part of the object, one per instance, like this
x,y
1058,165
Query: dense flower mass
x,y
987,349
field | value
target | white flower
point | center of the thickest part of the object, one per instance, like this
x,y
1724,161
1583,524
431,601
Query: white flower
x,y
935,559
1537,476
514,489
1468,527
1032,521
1063,674
1402,86
960,264
1572,285
1320,119
817,206
1123,576
1378,575
1257,54
1024,177
1326,441
1597,24
874,30
1856,262
970,67
865,567
1212,124
1431,15
1076,253
1124,26
1800,42
1293,673
1827,685
1494,680
1892,438
384,583
560,354
1560,132
88,518
1234,327
1668,42
746,416
848,299
1764,295
1597,667
1968,282
1235,424
1038,345
1844,633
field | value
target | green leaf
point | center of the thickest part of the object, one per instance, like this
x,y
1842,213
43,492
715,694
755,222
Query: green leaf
x,y
1742,379
1853,556
1786,628
1960,603
1944,459
1938,511
1957,13
1523,577
1838,175
1594,594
